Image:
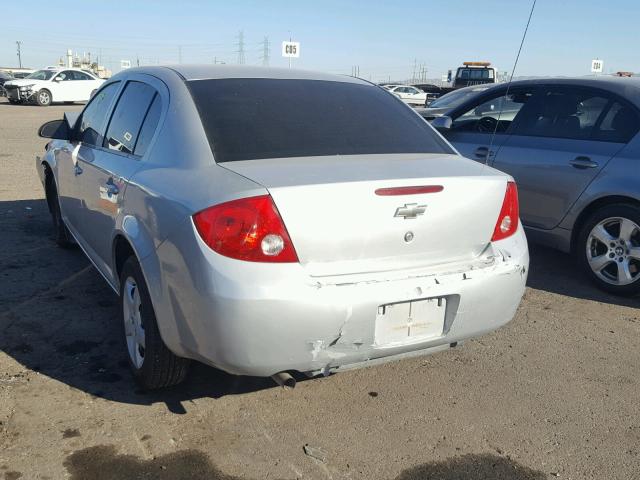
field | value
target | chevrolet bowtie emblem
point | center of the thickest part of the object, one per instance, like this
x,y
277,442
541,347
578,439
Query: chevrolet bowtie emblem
x,y
410,210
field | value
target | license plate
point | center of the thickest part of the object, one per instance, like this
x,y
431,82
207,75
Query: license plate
x,y
407,322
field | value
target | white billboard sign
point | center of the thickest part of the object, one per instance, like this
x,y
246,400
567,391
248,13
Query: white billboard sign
x,y
597,66
291,49
124,64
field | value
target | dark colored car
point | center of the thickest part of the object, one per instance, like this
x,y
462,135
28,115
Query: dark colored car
x,y
574,149
4,77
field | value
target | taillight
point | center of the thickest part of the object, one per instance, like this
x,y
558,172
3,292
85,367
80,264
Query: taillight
x,y
507,223
249,229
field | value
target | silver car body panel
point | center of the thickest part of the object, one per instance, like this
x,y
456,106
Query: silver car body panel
x,y
316,315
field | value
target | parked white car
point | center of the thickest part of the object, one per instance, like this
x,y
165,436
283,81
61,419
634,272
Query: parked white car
x,y
53,84
410,95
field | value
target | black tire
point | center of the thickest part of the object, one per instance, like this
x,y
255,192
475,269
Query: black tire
x,y
43,97
614,211
61,233
14,102
160,367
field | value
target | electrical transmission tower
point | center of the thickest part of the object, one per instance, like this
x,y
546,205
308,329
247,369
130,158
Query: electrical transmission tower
x,y
240,50
266,50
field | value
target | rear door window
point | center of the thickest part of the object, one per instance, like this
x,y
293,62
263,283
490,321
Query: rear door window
x,y
619,124
149,126
563,112
94,116
254,118
128,116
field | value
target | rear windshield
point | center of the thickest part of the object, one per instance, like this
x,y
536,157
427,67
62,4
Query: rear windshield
x,y
250,119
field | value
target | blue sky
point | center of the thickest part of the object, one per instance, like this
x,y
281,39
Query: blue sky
x,y
382,38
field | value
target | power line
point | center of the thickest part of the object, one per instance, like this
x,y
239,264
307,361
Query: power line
x,y
240,50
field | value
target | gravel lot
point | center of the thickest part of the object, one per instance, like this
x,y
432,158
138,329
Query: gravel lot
x,y
556,393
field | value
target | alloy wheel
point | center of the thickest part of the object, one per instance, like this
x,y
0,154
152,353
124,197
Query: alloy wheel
x,y
613,250
43,97
133,325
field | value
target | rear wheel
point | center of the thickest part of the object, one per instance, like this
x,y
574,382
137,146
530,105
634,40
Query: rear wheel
x,y
61,233
43,98
608,248
153,365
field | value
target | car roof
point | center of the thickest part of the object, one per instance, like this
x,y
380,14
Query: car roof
x,y
210,72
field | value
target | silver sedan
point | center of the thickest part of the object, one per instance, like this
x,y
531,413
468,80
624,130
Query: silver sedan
x,y
269,221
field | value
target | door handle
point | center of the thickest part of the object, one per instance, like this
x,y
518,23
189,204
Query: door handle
x,y
77,170
483,152
583,163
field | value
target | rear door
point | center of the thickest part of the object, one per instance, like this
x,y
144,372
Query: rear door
x,y
556,150
474,124
83,85
107,169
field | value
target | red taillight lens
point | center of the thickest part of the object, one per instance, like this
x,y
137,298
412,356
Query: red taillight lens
x,y
507,223
249,229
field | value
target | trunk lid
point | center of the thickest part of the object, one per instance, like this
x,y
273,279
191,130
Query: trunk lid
x,y
339,225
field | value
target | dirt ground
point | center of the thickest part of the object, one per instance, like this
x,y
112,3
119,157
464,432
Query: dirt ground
x,y
556,393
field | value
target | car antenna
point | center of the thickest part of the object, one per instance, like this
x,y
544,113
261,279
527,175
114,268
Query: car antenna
x,y
515,64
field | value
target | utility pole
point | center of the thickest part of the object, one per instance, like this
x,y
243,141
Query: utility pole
x,y
19,44
240,50
137,60
179,53
265,51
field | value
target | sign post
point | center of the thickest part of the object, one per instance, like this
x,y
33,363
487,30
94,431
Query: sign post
x,y
290,50
597,65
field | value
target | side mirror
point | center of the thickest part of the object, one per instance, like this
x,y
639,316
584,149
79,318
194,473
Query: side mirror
x,y
442,123
57,79
58,129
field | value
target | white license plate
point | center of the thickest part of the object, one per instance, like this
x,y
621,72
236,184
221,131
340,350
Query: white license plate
x,y
407,322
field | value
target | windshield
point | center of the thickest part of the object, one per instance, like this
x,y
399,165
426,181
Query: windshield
x,y
455,98
41,75
253,118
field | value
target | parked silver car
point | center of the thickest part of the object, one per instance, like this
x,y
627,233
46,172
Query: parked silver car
x,y
266,221
574,149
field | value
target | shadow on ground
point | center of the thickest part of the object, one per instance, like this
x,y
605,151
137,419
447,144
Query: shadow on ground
x,y
104,463
59,317
556,272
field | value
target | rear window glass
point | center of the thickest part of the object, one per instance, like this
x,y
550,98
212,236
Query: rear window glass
x,y
249,119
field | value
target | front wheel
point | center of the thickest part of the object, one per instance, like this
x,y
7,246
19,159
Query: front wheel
x,y
608,249
153,365
43,98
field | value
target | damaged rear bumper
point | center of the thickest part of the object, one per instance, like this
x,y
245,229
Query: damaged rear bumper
x,y
261,319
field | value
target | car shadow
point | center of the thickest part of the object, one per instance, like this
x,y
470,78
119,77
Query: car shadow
x,y
556,272
58,317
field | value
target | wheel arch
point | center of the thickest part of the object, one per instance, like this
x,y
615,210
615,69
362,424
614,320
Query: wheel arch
x,y
593,207
48,179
